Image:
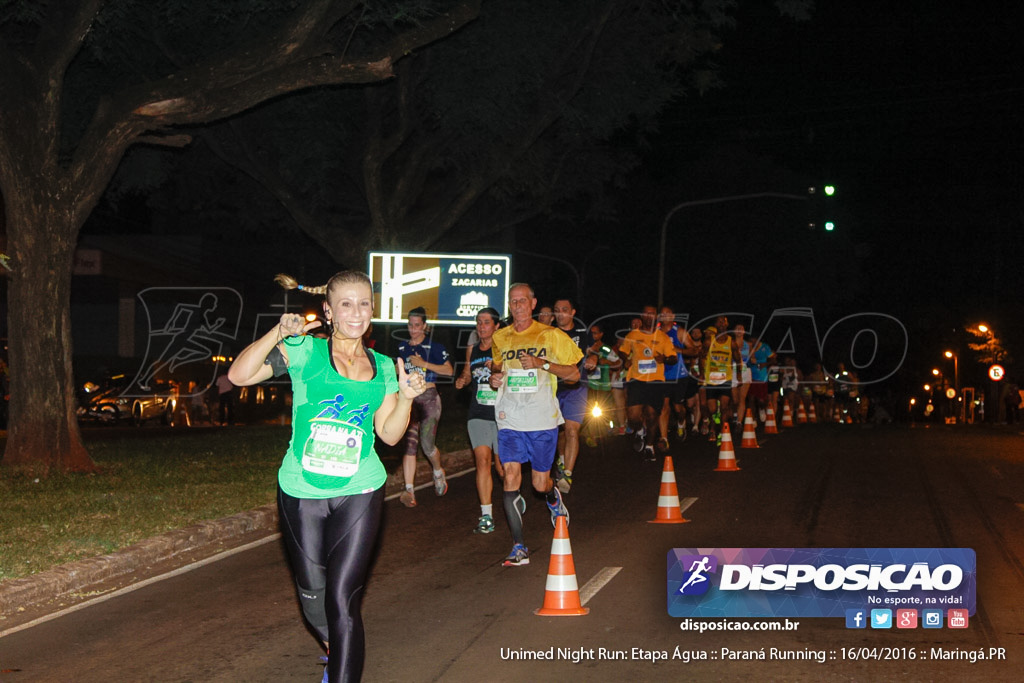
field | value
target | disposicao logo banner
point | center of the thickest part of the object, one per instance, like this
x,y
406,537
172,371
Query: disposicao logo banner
x,y
817,582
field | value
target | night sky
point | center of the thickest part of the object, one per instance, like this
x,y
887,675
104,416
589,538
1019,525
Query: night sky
x,y
911,110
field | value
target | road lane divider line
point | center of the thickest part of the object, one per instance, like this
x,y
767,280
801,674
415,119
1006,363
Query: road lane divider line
x,y
595,584
685,503
141,584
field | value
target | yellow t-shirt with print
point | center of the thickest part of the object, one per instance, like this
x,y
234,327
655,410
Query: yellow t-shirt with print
x,y
642,347
526,399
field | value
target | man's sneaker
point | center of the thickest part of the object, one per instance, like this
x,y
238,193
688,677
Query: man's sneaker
x,y
558,509
620,431
559,470
440,484
627,430
590,441
484,525
680,430
663,445
762,414
518,557
565,483
704,426
649,453
638,439
408,498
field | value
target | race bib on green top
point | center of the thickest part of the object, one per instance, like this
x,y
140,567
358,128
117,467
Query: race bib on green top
x,y
333,448
522,381
486,396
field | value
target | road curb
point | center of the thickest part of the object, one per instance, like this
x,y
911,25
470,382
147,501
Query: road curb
x,y
29,591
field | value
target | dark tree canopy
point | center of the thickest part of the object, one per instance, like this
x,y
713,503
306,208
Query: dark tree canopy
x,y
82,84
418,123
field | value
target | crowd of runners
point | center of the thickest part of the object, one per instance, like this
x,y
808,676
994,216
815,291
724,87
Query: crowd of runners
x,y
542,382
535,381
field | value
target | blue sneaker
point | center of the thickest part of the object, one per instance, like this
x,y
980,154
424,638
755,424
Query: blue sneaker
x,y
484,525
518,557
558,509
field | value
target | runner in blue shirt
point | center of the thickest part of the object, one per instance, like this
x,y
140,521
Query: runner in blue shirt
x,y
430,359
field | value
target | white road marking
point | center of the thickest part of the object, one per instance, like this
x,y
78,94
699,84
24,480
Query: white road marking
x,y
141,584
597,583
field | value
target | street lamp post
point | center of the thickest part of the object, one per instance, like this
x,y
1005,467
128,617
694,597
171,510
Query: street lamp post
x,y
956,383
699,202
956,370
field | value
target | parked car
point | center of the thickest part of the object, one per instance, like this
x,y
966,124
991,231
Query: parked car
x,y
102,401
160,402
113,400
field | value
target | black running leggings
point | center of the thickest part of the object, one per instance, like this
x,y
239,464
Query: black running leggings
x,y
330,544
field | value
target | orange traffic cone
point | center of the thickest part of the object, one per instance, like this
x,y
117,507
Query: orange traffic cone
x,y
769,425
668,497
801,415
749,439
561,595
811,416
787,415
726,455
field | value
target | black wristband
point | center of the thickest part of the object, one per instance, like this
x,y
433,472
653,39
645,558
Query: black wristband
x,y
275,359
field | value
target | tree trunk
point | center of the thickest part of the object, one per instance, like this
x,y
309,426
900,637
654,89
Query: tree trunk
x,y
43,436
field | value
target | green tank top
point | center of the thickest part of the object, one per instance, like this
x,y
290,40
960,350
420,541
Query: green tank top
x,y
332,448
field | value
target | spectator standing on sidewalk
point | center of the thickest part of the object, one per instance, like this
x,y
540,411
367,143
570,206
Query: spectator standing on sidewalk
x,y
225,400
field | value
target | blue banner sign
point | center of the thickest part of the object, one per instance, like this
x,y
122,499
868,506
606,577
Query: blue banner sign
x,y
817,582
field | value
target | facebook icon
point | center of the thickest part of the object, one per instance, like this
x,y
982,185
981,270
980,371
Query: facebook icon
x,y
856,618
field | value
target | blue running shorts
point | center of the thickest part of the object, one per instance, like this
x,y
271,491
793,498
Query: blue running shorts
x,y
573,402
536,448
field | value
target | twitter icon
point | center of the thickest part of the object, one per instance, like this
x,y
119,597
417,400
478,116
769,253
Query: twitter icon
x,y
881,618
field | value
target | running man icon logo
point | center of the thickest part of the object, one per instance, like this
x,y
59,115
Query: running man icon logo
x,y
695,581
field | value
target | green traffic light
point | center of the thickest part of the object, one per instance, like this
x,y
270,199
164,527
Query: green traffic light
x,y
830,226
830,190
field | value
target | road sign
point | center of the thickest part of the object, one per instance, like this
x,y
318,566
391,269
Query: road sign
x,y
451,287
996,372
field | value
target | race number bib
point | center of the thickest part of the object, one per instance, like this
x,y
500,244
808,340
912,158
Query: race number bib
x,y
717,377
486,396
333,448
647,367
522,381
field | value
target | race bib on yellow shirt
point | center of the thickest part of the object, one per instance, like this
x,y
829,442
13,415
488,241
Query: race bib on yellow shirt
x,y
647,367
333,448
522,381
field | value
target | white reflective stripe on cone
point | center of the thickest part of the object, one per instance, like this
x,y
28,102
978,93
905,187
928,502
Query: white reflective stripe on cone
x,y
560,546
558,583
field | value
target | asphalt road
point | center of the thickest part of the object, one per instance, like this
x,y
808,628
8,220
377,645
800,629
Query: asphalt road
x,y
439,606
